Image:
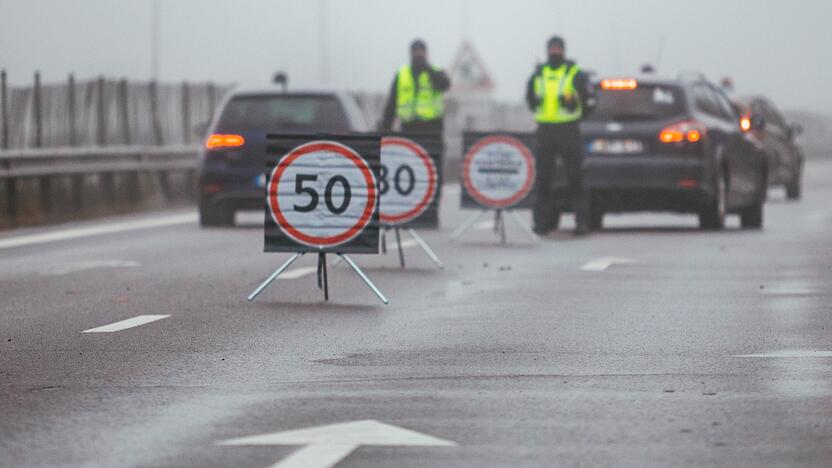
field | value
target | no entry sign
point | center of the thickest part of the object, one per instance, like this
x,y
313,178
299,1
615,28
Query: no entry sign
x,y
498,170
408,181
322,194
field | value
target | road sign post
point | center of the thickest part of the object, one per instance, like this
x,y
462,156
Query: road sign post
x,y
322,197
498,174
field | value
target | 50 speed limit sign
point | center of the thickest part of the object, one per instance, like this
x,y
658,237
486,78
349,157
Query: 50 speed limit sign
x,y
408,181
322,195
498,171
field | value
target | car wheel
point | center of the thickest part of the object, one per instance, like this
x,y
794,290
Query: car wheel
x,y
596,220
712,216
215,215
752,217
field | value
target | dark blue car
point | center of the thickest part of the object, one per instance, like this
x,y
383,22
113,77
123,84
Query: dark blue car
x,y
232,161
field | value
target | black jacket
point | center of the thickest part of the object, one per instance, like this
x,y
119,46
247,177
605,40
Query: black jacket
x,y
582,86
440,82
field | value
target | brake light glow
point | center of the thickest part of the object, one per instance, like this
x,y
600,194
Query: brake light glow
x,y
619,84
216,141
681,132
745,123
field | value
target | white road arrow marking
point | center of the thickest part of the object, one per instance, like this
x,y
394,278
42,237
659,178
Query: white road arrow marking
x,y
325,446
601,264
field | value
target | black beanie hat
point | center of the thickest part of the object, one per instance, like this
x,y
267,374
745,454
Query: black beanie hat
x,y
555,40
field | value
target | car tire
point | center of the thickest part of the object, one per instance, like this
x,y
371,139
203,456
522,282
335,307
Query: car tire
x,y
215,215
712,215
596,220
752,217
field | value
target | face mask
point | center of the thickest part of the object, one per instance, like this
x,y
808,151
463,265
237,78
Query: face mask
x,y
556,59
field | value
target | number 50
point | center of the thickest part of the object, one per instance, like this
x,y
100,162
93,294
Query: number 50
x,y
314,197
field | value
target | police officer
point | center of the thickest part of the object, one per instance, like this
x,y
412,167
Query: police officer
x,y
417,95
560,96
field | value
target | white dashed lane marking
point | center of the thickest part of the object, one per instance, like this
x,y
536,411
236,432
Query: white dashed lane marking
x,y
125,324
601,264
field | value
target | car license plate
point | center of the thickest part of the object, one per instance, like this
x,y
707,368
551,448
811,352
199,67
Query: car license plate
x,y
605,146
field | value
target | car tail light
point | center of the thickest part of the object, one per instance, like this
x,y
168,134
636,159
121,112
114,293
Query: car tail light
x,y
745,123
689,131
619,84
217,141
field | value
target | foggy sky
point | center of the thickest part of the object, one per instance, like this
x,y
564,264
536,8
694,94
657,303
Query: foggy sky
x,y
779,48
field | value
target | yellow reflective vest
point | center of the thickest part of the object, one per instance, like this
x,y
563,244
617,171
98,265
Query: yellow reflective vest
x,y
426,104
549,85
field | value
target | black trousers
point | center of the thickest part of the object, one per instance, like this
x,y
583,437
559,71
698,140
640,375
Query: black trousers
x,y
560,141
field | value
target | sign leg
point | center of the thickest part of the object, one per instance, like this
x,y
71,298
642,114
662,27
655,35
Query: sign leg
x,y
364,278
466,225
426,248
322,279
500,226
534,237
384,241
274,276
401,250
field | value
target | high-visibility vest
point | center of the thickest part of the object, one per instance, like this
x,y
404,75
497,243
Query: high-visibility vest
x,y
549,86
427,104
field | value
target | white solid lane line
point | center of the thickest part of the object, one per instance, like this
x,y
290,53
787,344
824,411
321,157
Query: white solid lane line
x,y
77,233
125,324
795,353
601,264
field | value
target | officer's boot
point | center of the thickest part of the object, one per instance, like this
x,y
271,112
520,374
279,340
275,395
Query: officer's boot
x,y
582,213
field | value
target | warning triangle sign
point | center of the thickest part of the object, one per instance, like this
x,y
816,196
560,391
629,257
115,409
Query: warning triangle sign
x,y
468,73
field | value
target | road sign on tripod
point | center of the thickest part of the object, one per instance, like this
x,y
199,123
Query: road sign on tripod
x,y
498,174
409,186
322,196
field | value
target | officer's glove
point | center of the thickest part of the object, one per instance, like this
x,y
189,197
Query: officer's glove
x,y
569,102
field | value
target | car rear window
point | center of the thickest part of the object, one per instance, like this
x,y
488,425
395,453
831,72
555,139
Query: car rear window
x,y
284,113
647,102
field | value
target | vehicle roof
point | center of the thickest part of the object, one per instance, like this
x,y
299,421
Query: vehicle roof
x,y
278,91
650,79
749,98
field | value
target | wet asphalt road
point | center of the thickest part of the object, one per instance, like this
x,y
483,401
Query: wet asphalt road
x,y
521,355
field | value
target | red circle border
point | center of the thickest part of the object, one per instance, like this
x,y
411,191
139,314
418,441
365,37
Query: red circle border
x,y
315,241
505,202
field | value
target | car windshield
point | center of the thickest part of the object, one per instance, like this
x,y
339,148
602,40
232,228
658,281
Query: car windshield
x,y
312,113
647,102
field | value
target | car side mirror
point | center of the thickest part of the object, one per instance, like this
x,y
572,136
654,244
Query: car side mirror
x,y
200,129
758,123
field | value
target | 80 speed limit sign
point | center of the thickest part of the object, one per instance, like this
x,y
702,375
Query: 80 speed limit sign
x,y
323,195
408,181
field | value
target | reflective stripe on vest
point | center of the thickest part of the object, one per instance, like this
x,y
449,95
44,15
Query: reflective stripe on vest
x,y
428,104
549,85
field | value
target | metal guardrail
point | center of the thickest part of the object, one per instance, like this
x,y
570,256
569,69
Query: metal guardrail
x,y
78,163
